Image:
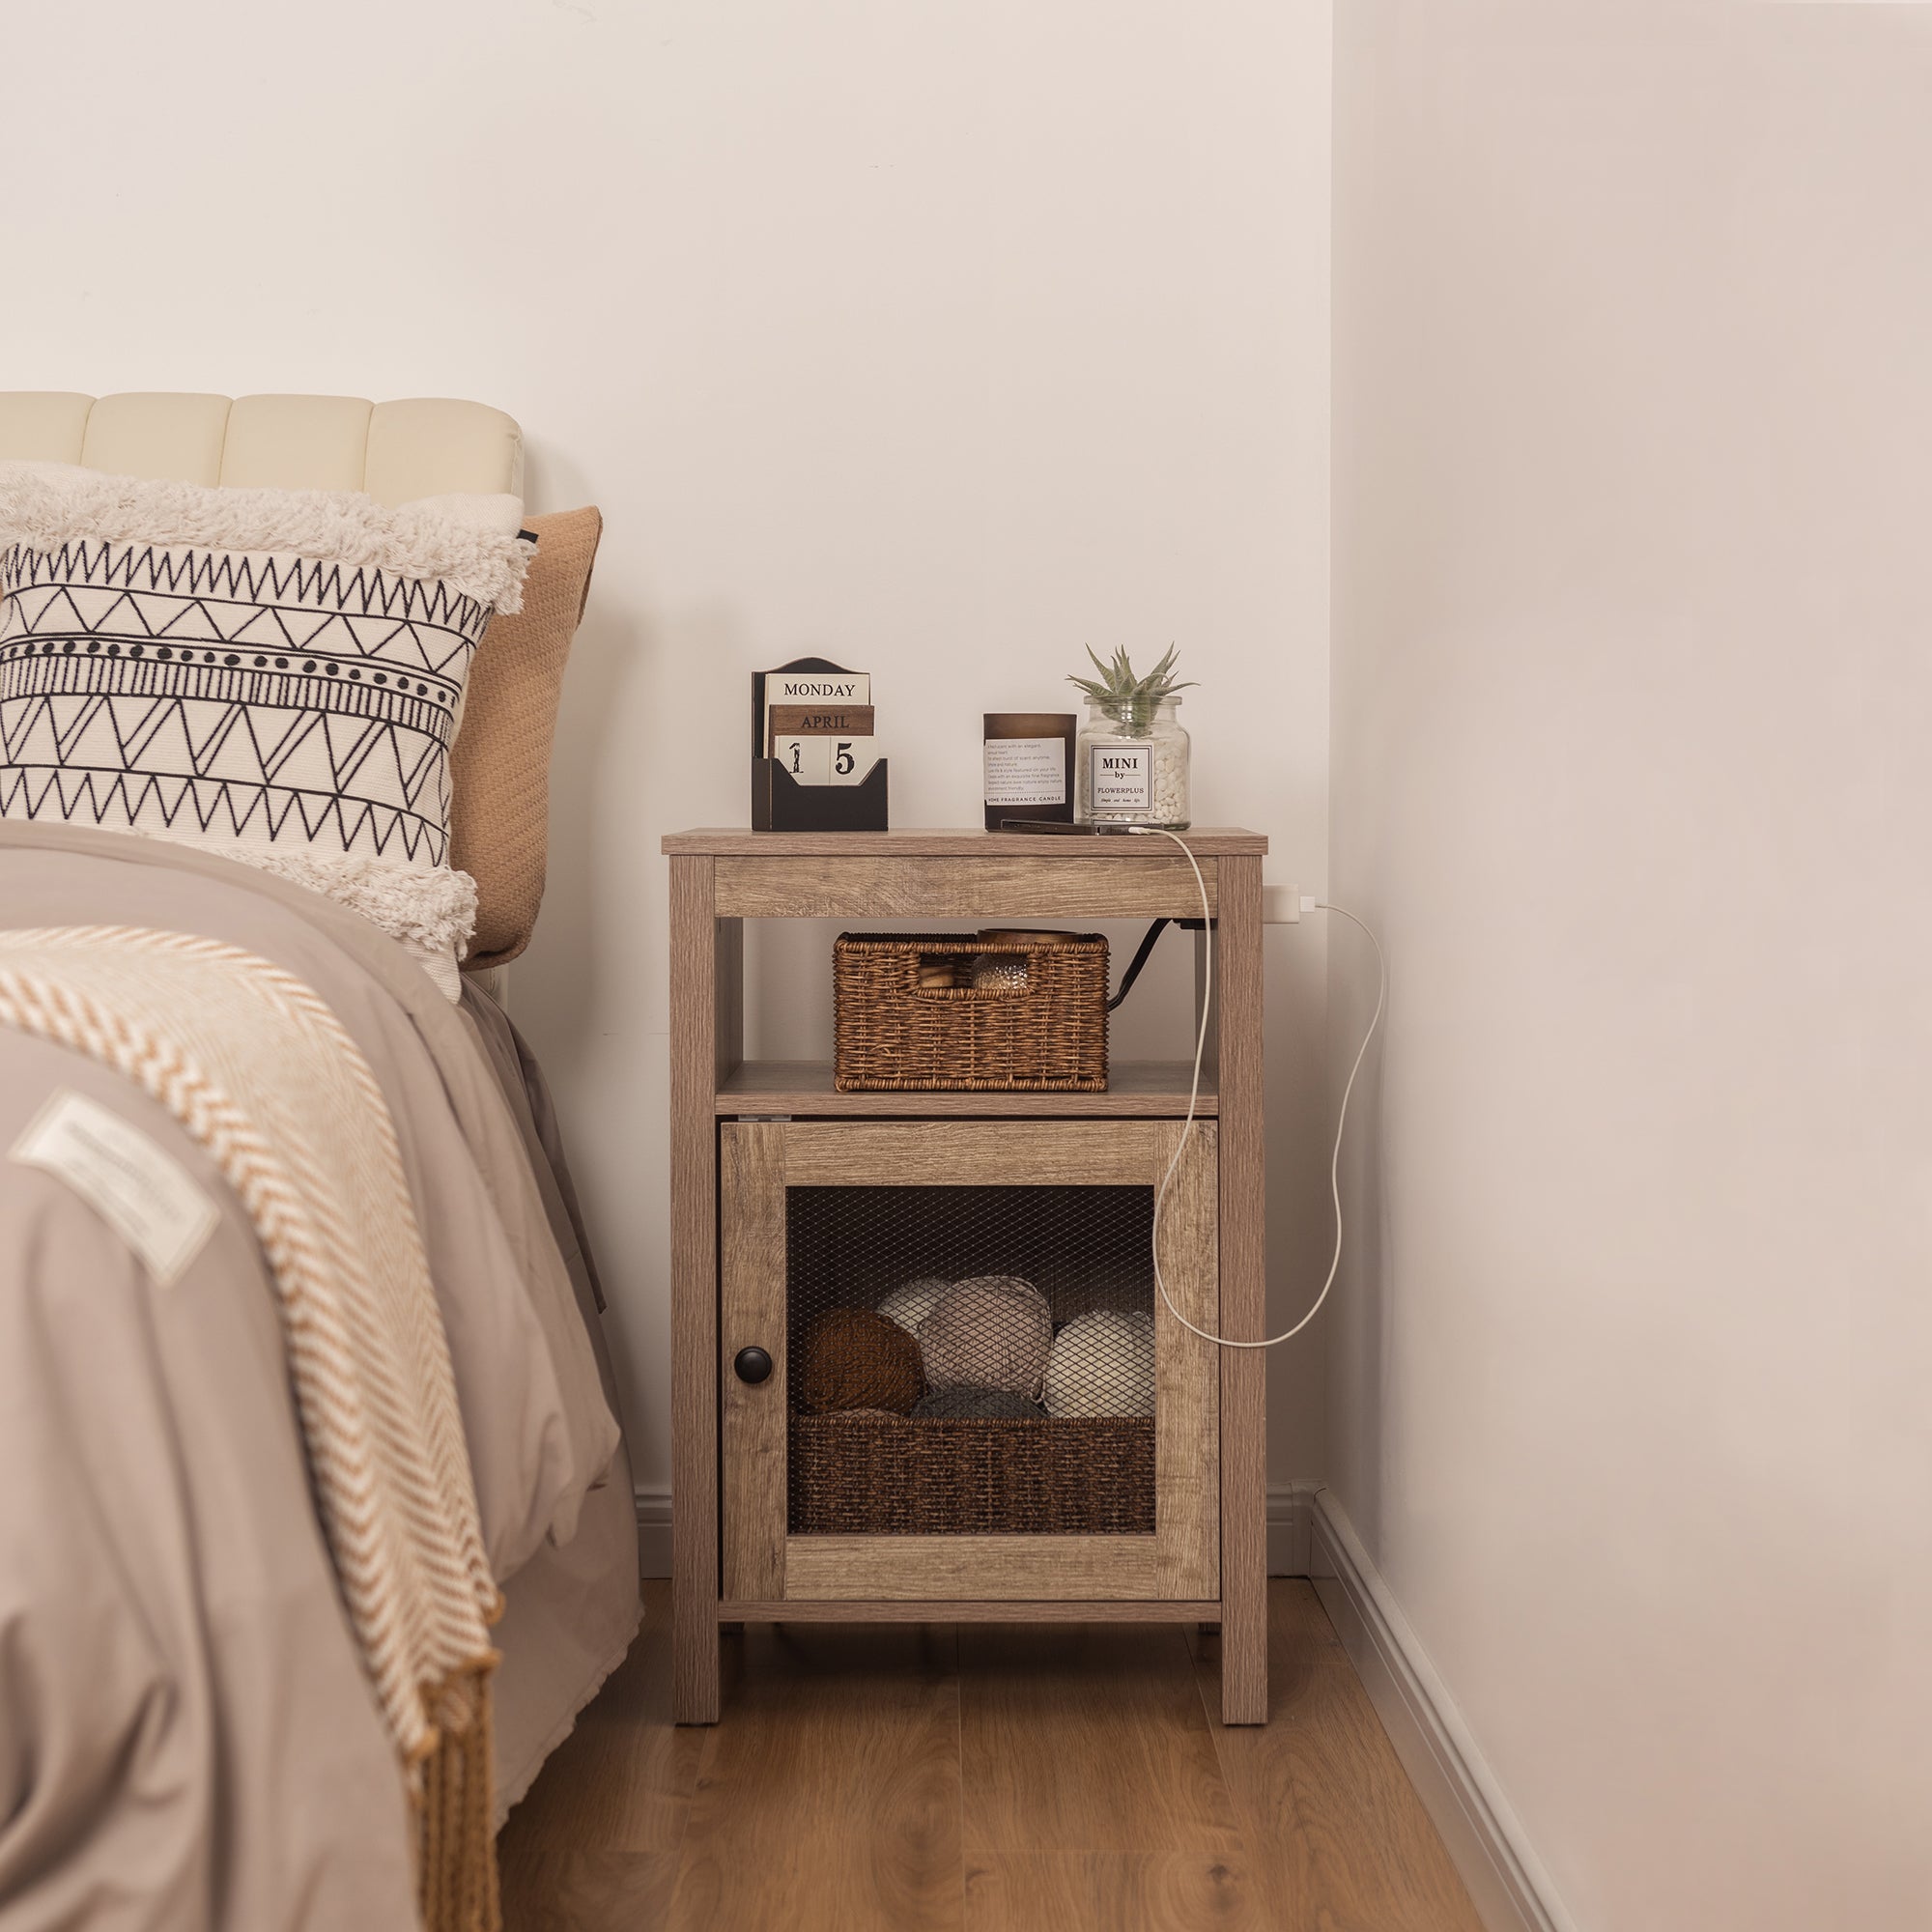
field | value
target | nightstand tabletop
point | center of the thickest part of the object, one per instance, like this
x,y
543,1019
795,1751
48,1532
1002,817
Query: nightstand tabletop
x,y
1211,841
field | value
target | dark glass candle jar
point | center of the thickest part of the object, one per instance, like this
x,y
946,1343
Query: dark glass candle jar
x,y
1028,766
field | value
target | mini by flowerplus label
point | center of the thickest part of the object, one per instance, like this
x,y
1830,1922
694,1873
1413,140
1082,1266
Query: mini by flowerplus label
x,y
1122,777
1025,771
141,1191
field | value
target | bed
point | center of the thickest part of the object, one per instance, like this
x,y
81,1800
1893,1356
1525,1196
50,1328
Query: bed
x,y
188,1734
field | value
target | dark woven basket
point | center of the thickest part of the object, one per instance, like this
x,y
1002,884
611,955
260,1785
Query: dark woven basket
x,y
866,1474
1045,1035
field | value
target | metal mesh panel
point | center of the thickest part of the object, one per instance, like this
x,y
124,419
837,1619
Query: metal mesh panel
x,y
970,1360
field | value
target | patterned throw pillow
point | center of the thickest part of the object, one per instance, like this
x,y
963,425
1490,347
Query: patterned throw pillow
x,y
275,675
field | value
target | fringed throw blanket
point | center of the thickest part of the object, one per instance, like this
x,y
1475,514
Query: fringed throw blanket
x,y
254,1066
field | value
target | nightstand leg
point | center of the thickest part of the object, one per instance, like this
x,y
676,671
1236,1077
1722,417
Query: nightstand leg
x,y
693,1270
1238,965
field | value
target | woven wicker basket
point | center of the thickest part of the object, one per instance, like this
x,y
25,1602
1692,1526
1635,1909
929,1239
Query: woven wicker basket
x,y
866,1474
1045,1032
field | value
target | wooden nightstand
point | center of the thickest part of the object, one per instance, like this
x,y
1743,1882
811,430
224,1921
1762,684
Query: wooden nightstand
x,y
756,1143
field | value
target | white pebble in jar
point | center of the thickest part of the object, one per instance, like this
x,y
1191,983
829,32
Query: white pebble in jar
x,y
1134,776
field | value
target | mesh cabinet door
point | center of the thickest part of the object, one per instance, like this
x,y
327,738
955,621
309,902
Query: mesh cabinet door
x,y
973,1392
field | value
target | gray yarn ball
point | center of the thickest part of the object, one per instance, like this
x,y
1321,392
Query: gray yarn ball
x,y
991,1331
963,1404
911,1303
1101,1365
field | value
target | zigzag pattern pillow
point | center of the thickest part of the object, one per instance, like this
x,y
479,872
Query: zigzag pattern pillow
x,y
275,674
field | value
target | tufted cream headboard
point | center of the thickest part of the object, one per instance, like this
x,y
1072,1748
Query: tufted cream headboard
x,y
395,451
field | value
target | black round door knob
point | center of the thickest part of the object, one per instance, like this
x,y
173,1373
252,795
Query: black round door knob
x,y
752,1365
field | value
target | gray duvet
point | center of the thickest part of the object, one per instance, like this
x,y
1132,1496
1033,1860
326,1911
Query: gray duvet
x,y
186,1737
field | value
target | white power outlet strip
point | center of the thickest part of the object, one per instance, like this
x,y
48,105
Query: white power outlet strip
x,y
1284,905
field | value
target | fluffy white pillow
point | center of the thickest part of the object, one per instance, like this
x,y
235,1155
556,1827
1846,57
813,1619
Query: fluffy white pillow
x,y
275,675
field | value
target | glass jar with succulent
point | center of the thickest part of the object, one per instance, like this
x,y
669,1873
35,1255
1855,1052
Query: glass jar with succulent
x,y
1130,766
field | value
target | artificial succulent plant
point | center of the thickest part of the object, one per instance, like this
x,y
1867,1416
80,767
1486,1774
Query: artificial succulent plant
x,y
1131,701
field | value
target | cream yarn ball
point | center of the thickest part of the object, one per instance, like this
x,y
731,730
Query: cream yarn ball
x,y
1102,1364
910,1303
991,1331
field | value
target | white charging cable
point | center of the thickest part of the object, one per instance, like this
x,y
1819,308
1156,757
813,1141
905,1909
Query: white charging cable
x,y
1194,1099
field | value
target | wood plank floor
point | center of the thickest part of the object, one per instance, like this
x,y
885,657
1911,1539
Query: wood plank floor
x,y
981,1778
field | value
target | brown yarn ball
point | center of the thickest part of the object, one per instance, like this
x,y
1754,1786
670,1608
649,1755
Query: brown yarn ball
x,y
857,1359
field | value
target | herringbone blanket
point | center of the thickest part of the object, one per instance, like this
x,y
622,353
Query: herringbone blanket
x,y
253,1064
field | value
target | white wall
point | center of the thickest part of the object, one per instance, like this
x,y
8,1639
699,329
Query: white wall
x,y
1633,695
939,338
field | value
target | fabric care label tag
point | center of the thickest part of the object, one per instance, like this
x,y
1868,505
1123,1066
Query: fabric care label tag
x,y
1025,771
1122,778
144,1194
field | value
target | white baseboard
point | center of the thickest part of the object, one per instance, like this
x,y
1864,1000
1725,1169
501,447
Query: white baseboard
x,y
1507,1882
1291,1517
1287,1526
653,1532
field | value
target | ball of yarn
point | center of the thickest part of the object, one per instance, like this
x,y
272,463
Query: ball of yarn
x,y
999,972
1089,1294
1101,1365
856,1360
991,1331
963,1404
910,1304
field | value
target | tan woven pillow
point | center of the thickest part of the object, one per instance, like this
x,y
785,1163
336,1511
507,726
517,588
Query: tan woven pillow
x,y
499,770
